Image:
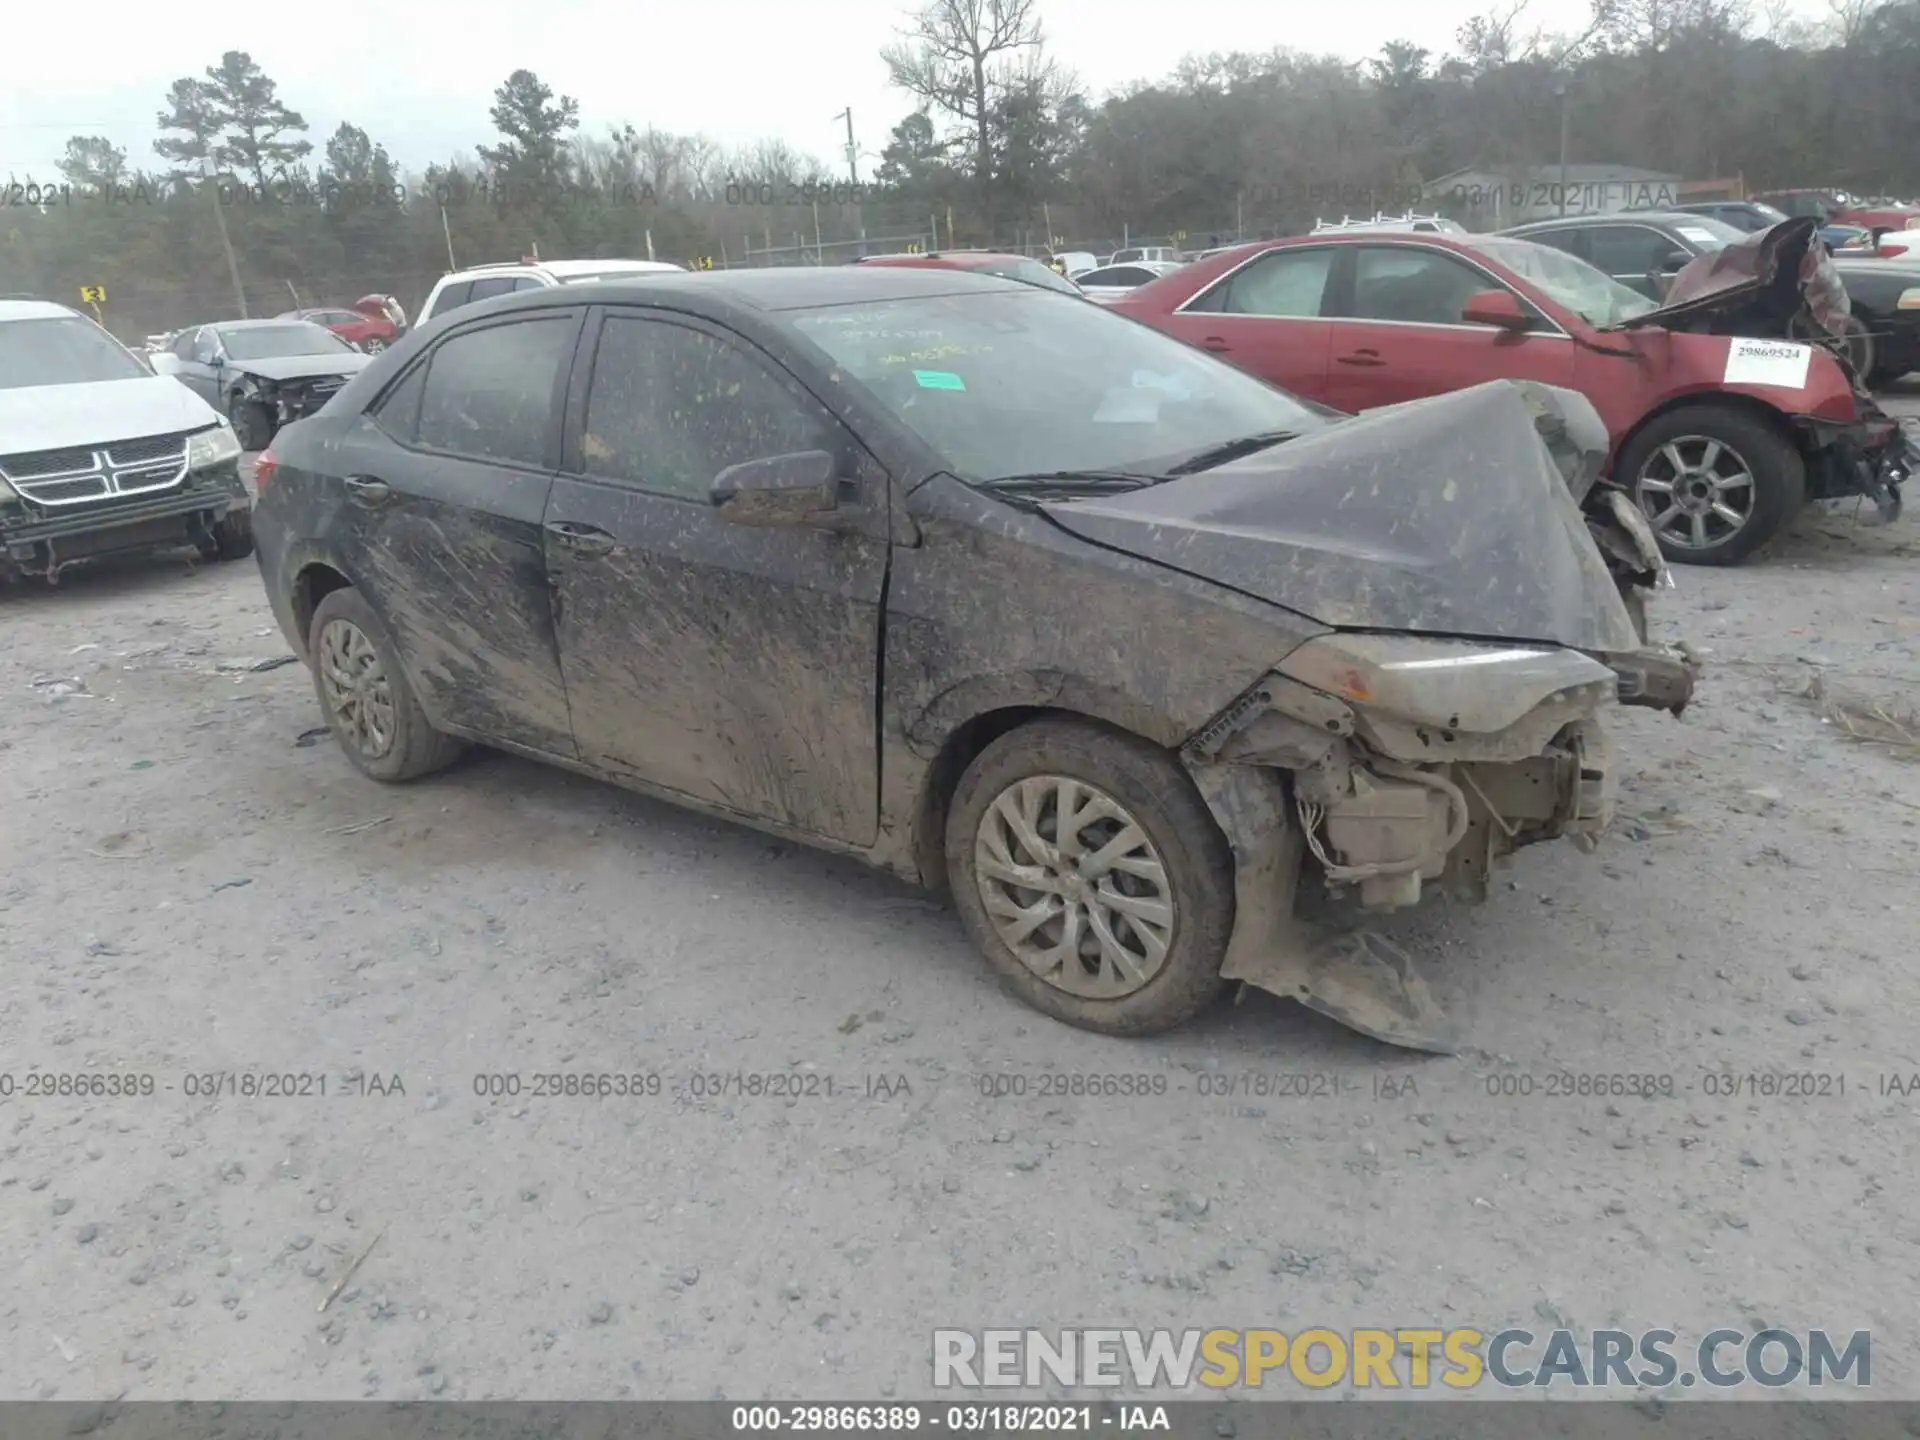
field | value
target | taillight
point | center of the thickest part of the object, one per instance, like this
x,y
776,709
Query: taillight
x,y
263,470
1889,252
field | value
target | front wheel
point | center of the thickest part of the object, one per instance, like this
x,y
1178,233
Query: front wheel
x,y
1714,482
252,425
374,345
365,696
232,537
1089,873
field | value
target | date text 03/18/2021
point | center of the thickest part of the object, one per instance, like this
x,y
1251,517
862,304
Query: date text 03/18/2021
x,y
974,1419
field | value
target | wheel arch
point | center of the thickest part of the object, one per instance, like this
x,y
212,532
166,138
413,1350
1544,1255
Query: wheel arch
x,y
313,580
952,731
1748,405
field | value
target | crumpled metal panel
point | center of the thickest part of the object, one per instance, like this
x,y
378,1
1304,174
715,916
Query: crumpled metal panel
x,y
1442,516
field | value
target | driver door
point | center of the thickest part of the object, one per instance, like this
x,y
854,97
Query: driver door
x,y
736,665
1398,331
200,359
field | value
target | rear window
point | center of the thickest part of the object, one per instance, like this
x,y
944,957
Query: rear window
x,y
62,350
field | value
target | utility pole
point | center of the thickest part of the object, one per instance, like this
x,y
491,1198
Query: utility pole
x,y
1565,111
212,182
853,152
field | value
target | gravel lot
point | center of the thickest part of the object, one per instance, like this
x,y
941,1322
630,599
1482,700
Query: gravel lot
x,y
186,888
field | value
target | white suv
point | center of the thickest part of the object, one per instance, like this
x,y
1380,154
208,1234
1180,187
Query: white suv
x,y
483,282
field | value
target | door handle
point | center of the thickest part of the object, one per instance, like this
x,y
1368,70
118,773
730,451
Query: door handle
x,y
580,539
1362,357
1213,342
368,493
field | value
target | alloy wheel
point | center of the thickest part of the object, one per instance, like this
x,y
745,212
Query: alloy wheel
x,y
359,695
1074,887
374,346
1697,492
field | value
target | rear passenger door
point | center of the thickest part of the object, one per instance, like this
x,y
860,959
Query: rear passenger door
x,y
733,664
445,487
1266,317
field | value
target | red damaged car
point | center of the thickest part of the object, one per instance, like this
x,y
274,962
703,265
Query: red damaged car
x,y
1720,440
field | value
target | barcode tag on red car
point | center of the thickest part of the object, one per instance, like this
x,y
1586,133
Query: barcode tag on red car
x,y
1768,362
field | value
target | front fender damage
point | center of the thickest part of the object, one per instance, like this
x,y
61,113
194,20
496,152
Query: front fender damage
x,y
1356,978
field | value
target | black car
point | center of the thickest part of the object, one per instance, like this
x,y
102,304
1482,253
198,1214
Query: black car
x,y
990,587
1646,249
1745,216
261,373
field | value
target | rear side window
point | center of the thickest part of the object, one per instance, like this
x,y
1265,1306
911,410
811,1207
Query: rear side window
x,y
490,393
493,285
451,298
526,282
1285,285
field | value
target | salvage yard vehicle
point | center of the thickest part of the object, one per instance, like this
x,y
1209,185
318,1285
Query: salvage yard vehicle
x,y
1883,301
1110,282
1116,645
987,262
261,373
100,456
506,277
1719,440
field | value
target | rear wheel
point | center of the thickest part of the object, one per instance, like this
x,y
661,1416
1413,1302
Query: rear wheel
x,y
1089,873
365,696
373,345
1714,482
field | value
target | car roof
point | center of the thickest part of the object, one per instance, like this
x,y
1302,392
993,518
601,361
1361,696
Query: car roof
x,y
774,289
560,269
255,324
959,259
34,310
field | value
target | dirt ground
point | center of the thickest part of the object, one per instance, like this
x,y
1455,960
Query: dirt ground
x,y
186,888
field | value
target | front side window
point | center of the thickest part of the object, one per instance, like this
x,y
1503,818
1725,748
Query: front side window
x,y
1422,287
670,407
490,392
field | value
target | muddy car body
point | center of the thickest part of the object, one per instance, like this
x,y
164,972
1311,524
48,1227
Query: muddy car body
x,y
1002,593
1719,443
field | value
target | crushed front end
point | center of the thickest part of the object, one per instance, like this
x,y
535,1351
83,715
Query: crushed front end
x,y
1389,767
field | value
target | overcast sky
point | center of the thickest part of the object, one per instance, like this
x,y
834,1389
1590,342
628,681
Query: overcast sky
x,y
419,77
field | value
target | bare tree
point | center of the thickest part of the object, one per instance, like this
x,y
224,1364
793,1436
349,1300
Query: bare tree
x,y
954,58
1846,21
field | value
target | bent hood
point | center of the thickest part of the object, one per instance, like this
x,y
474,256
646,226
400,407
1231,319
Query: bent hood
x,y
62,417
300,367
1781,268
1444,516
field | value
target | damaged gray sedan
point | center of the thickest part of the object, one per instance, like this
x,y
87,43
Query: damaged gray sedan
x,y
1126,651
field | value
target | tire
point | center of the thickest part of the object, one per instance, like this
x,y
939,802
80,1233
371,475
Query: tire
x,y
374,345
252,425
1196,865
412,747
1775,470
232,538
1863,351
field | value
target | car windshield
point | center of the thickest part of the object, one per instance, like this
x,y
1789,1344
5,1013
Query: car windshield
x,y
1770,214
269,342
62,350
1030,272
1594,296
1026,382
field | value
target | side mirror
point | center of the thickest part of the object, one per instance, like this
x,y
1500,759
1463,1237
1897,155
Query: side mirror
x,y
1675,262
1497,308
795,489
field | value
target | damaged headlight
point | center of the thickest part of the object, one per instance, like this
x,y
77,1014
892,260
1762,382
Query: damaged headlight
x,y
212,446
1451,685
